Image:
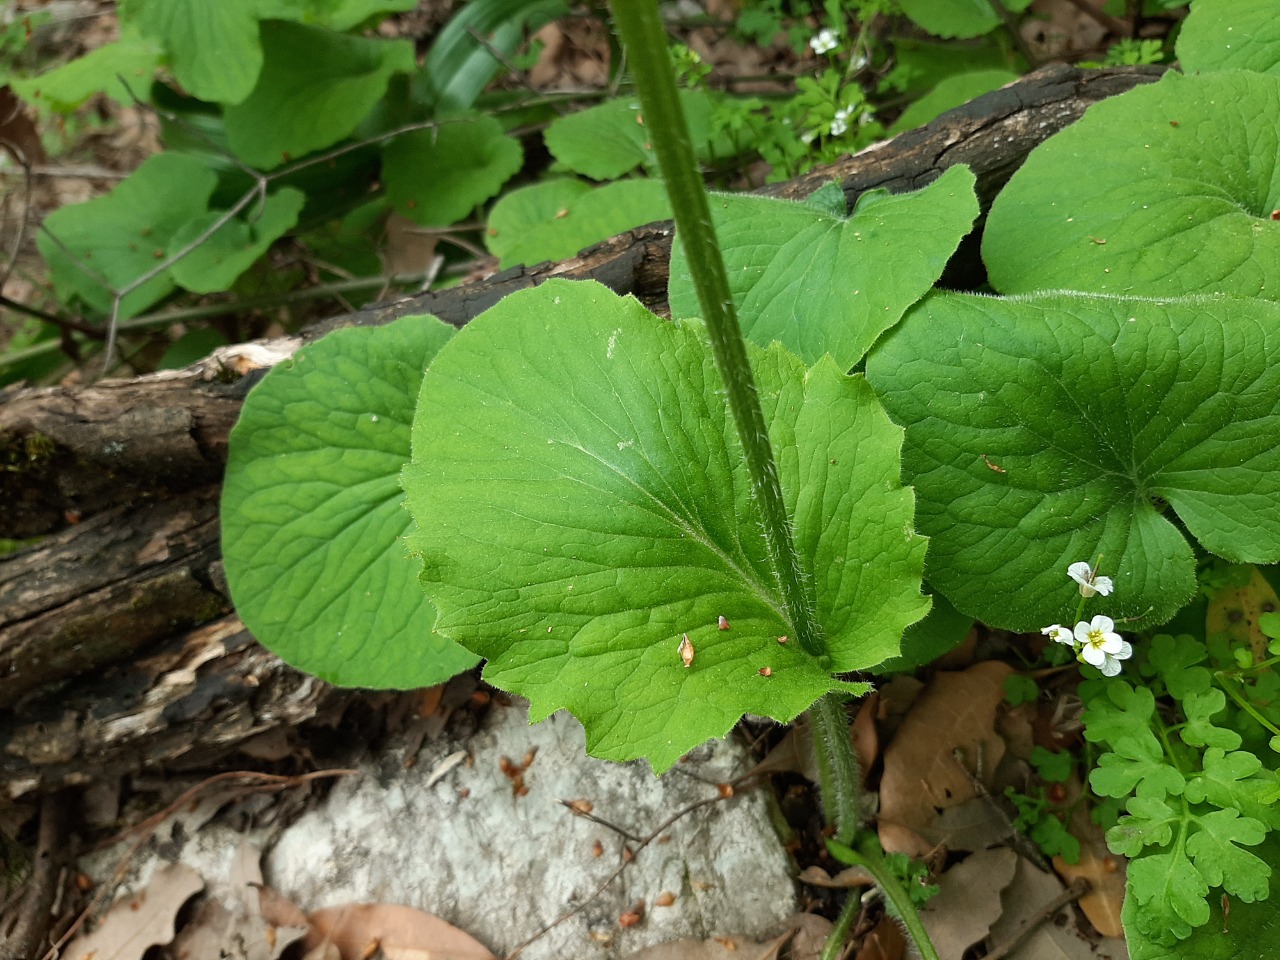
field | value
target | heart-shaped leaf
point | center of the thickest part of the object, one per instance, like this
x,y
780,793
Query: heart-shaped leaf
x,y
312,516
437,177
582,507
1048,430
216,262
820,283
1230,35
107,243
609,140
1168,189
555,219
213,46
316,85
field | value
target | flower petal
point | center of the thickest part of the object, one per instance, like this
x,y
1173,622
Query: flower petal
x,y
1102,624
1080,572
1109,667
1093,656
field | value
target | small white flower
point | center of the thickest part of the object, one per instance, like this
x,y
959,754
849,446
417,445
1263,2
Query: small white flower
x,y
808,137
1060,634
866,117
841,122
824,41
1101,646
858,63
1090,583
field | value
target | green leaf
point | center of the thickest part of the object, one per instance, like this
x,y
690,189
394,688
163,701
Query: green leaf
x,y
555,219
610,140
122,70
1170,893
953,91
1177,199
312,520
1199,730
582,505
941,631
1230,35
1136,764
437,177
1150,823
216,263
1250,931
213,47
1215,850
340,15
1175,659
466,54
1114,711
828,285
958,18
1053,766
315,87
122,236
1047,430
1236,780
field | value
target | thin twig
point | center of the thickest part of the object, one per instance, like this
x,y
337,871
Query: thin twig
x,y
587,815
34,918
1114,25
20,234
1011,27
62,322
1079,887
511,68
600,888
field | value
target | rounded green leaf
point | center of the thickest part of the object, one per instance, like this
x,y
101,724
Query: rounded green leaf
x,y
213,47
312,519
821,283
555,219
610,140
219,259
1049,430
581,506
437,177
1165,190
122,70
1230,35
109,242
958,18
316,85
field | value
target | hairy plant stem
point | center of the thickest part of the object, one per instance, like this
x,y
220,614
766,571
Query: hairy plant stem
x,y
645,42
870,857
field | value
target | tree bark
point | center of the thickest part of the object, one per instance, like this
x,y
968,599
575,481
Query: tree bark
x,y
119,648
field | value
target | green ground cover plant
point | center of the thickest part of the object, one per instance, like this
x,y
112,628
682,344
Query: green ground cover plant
x,y
591,516
295,125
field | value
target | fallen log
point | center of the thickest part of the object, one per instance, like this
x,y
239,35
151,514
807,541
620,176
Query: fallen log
x,y
119,648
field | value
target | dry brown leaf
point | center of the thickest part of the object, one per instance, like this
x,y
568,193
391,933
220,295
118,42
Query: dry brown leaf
x,y
973,825
866,738
141,920
885,942
850,877
793,754
356,928
1106,888
1235,612
1101,869
278,910
1046,934
954,716
715,949
968,900
810,935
